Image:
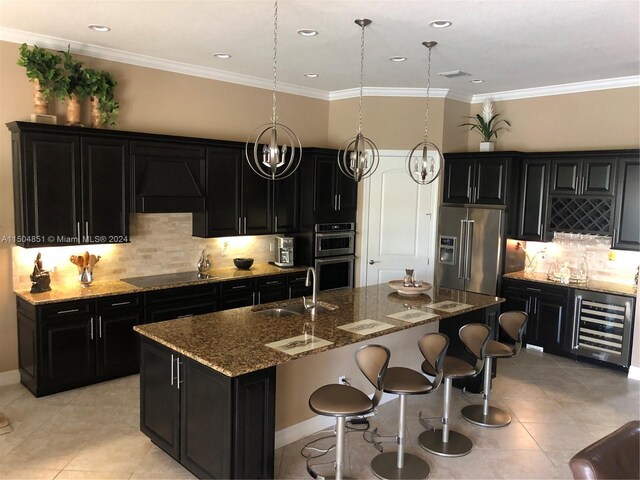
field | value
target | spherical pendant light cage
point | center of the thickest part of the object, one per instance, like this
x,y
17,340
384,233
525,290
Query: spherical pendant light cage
x,y
424,161
264,155
358,156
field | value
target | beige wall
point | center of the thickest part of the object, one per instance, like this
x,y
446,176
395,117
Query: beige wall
x,y
580,121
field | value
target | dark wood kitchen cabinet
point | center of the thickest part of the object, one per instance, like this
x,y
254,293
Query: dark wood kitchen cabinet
x,y
477,178
532,201
286,204
327,195
576,174
548,307
71,344
180,302
238,202
253,291
177,399
70,188
626,233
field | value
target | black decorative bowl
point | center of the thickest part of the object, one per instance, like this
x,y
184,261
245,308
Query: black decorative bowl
x,y
243,263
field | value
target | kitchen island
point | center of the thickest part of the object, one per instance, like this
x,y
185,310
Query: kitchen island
x,y
208,383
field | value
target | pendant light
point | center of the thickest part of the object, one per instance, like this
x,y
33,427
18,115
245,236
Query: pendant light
x,y
425,160
267,158
358,156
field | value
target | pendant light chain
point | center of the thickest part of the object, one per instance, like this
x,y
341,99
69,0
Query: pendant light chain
x,y
426,116
361,79
275,60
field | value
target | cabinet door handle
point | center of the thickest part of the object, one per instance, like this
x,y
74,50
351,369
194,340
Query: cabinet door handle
x,y
172,375
575,340
73,310
272,282
290,293
178,381
186,316
540,229
259,299
239,225
535,305
475,196
253,298
117,304
91,324
86,231
79,237
245,225
238,287
339,202
99,326
276,229
613,237
531,289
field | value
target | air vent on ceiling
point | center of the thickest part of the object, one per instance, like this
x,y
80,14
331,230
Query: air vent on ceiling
x,y
454,74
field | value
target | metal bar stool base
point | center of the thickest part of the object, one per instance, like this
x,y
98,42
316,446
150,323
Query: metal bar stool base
x,y
319,476
457,446
496,417
385,466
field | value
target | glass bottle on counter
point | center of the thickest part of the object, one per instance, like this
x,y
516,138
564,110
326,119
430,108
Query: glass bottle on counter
x,y
564,273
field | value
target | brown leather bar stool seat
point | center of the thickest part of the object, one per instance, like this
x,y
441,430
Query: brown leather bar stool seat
x,y
513,324
443,441
342,401
404,381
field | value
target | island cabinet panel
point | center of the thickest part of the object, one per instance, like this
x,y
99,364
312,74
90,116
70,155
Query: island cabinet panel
x,y
214,425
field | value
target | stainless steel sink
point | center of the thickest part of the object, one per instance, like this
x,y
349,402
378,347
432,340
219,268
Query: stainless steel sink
x,y
277,312
299,309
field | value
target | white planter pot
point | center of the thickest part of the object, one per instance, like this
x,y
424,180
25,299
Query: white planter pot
x,y
487,146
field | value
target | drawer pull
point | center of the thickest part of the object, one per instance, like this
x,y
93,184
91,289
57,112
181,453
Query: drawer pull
x,y
534,289
273,282
119,303
186,316
73,310
237,287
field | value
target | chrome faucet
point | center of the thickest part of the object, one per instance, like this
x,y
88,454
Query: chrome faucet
x,y
307,283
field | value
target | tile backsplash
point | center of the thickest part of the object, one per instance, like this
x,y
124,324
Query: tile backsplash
x,y
618,266
159,243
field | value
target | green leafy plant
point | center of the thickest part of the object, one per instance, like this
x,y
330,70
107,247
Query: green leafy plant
x,y
43,66
101,85
72,80
486,124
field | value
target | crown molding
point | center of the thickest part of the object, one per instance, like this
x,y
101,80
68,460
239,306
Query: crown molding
x,y
563,89
388,92
55,43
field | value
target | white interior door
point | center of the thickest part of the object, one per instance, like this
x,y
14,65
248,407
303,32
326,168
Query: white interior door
x,y
400,225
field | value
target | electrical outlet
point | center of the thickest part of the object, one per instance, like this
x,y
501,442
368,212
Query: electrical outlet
x,y
342,379
223,252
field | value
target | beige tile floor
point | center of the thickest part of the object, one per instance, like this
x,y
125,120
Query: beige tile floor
x,y
558,407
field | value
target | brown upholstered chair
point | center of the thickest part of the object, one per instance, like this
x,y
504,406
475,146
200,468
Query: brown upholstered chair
x,y
342,401
446,442
404,381
616,456
513,324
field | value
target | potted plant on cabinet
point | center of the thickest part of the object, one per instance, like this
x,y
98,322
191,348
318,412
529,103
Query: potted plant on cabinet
x,y
72,87
101,88
486,124
43,70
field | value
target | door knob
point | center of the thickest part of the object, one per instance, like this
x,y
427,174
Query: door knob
x,y
371,262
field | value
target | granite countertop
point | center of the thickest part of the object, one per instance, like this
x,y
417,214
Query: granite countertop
x,y
593,285
233,342
105,288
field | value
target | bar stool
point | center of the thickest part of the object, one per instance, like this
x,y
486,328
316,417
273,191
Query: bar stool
x,y
404,381
446,442
513,324
342,401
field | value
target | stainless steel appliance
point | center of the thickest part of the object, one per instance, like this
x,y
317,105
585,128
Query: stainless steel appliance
x,y
469,248
334,255
602,326
283,251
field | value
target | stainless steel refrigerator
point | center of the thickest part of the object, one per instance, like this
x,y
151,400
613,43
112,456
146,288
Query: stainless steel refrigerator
x,y
469,248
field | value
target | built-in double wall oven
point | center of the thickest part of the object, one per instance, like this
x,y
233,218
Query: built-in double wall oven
x,y
334,252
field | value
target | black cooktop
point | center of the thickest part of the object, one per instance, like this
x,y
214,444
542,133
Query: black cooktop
x,y
167,279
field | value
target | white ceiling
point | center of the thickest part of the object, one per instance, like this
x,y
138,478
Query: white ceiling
x,y
511,44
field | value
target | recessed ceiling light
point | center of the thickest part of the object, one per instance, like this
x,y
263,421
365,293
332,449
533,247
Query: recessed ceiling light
x,y
397,59
98,28
223,56
307,32
476,80
440,24
311,75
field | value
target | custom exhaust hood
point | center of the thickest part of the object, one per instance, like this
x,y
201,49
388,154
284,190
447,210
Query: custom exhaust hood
x,y
168,182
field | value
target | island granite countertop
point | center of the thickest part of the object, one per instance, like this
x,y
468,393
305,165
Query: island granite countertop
x,y
593,285
234,342
105,288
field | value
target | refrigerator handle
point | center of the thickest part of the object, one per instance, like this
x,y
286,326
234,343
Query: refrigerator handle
x,y
575,337
461,247
468,250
